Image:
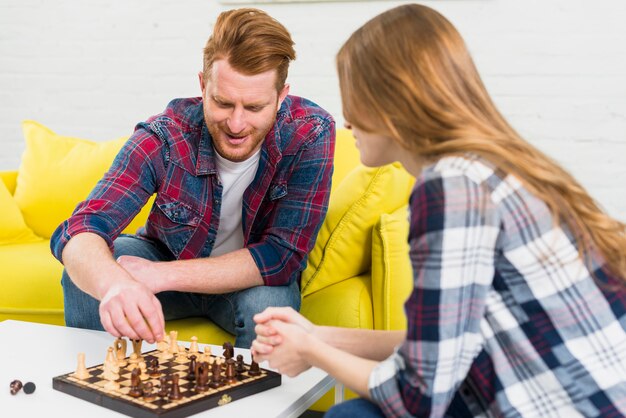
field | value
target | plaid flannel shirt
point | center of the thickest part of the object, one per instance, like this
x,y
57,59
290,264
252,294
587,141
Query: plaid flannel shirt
x,y
171,154
504,318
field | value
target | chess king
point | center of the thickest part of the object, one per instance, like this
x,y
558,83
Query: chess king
x,y
242,178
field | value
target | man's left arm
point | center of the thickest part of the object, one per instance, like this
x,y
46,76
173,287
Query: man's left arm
x,y
280,253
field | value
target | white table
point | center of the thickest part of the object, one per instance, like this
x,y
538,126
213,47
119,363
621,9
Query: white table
x,y
36,353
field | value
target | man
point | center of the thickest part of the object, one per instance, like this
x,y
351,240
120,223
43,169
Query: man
x,y
242,179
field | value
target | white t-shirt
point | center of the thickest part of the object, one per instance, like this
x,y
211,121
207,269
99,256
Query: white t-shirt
x,y
235,178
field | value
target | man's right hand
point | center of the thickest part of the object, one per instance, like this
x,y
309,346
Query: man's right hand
x,y
127,307
130,309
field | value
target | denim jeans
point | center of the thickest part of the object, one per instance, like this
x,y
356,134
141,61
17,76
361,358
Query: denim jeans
x,y
361,408
231,311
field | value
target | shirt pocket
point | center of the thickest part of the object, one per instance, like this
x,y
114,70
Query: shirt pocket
x,y
175,222
278,190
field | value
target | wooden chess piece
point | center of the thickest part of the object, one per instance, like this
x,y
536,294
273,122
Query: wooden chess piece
x,y
148,392
173,342
193,347
119,347
135,384
175,392
202,377
191,373
229,351
231,375
137,348
81,370
143,371
254,369
164,344
153,370
133,361
240,368
164,387
216,375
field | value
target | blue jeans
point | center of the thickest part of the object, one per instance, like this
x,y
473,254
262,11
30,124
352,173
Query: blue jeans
x,y
231,311
361,408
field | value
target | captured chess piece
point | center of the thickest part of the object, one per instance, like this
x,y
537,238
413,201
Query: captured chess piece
x,y
29,387
15,386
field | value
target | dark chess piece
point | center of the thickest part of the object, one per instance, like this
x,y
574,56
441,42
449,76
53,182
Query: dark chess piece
x,y
216,378
153,370
148,392
229,351
135,384
175,392
240,368
202,377
163,389
254,368
191,373
231,374
15,386
29,387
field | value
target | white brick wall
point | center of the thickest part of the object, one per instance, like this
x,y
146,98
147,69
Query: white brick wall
x,y
557,68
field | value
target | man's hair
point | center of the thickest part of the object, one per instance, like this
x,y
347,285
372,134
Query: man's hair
x,y
252,42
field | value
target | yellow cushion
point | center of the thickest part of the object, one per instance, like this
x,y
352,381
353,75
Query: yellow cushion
x,y
342,249
347,156
56,173
13,229
392,274
31,283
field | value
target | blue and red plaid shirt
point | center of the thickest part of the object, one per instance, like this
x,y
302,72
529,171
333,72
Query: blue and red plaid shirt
x,y
505,319
172,155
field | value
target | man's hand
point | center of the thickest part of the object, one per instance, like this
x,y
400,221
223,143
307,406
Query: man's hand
x,y
130,309
142,270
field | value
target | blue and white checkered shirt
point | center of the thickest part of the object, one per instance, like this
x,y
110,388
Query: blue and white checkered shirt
x,y
504,318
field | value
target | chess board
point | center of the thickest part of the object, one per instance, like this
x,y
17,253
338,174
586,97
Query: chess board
x,y
92,389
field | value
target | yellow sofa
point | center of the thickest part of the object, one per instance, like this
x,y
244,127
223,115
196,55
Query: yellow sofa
x,y
358,275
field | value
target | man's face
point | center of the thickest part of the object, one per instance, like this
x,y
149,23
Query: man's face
x,y
239,109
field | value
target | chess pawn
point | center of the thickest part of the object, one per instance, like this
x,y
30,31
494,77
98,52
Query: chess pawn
x,y
193,347
120,351
81,371
143,372
254,368
240,368
153,370
216,378
148,392
133,361
164,389
111,385
135,383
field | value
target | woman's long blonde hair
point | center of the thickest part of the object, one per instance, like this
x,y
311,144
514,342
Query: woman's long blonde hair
x,y
407,73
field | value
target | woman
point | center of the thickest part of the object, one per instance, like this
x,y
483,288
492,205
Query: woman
x,y
518,306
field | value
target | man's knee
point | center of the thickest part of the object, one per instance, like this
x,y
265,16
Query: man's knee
x,y
256,299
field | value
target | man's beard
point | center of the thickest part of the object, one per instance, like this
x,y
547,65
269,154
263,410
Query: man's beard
x,y
256,137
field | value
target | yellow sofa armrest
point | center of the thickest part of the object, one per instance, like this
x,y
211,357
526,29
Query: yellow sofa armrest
x,y
392,274
10,180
